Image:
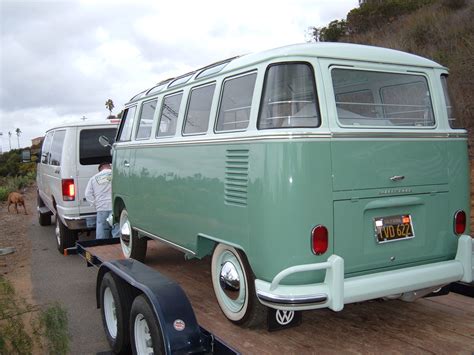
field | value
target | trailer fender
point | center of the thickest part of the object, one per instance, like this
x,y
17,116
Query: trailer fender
x,y
177,321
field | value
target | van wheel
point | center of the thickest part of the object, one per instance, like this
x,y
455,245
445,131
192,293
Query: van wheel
x,y
65,238
145,331
233,283
44,219
133,246
115,302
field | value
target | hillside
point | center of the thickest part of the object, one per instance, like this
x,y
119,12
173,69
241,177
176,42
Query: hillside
x,y
441,30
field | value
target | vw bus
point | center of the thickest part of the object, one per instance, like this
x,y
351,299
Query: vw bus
x,y
315,175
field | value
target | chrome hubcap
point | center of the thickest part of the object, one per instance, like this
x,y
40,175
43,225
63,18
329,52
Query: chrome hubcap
x,y
125,235
229,280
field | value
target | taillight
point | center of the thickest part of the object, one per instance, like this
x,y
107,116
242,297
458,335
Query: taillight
x,y
319,240
69,190
459,222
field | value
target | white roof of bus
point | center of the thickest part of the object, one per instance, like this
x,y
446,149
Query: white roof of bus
x,y
346,51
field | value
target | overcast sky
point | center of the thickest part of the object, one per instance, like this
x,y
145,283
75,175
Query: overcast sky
x,y
61,60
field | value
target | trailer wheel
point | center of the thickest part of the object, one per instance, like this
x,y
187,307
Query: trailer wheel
x,y
115,301
233,283
132,246
65,237
145,330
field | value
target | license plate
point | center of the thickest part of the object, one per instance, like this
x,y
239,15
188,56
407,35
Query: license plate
x,y
393,228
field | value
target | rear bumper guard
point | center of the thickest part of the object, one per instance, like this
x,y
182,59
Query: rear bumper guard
x,y
336,291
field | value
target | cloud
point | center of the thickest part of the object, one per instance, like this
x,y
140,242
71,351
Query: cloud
x,y
63,59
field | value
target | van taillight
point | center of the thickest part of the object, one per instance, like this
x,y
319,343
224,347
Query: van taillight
x,y
69,190
459,222
319,240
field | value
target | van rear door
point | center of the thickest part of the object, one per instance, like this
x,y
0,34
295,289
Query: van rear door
x,y
390,177
91,154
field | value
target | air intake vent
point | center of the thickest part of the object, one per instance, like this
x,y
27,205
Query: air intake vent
x,y
236,177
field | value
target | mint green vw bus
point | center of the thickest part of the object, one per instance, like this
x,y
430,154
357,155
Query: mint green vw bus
x,y
314,175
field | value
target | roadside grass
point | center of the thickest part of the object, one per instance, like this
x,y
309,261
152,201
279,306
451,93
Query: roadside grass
x,y
15,183
48,326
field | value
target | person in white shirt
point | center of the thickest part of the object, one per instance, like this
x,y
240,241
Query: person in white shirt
x,y
99,194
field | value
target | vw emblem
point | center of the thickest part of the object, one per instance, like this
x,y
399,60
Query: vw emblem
x,y
284,317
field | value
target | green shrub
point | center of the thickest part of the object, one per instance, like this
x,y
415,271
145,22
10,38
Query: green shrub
x,y
4,191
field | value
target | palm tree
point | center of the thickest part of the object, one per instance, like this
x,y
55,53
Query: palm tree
x,y
18,132
10,139
110,106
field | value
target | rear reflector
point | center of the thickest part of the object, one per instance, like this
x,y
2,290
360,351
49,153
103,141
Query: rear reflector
x,y
69,190
319,240
459,222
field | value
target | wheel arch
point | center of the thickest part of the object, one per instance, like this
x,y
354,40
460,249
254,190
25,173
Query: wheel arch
x,y
206,244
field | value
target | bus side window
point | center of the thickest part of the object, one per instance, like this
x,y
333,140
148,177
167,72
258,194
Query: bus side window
x,y
197,117
236,101
289,98
169,115
125,130
145,120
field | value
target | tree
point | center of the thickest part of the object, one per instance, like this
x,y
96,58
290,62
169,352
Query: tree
x,y
10,139
110,105
18,132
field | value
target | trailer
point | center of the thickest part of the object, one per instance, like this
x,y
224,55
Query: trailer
x,y
143,310
442,324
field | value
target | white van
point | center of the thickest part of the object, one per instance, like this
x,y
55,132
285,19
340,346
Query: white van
x,y
70,155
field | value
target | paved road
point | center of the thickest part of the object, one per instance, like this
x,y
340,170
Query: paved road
x,y
67,280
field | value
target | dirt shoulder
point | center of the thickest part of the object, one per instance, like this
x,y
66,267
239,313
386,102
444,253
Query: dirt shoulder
x,y
16,267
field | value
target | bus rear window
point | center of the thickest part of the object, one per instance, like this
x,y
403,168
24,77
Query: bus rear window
x,y
91,152
366,98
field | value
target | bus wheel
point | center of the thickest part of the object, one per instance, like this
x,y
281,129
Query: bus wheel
x,y
145,331
132,246
234,288
115,300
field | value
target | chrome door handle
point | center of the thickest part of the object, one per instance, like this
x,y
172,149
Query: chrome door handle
x,y
397,178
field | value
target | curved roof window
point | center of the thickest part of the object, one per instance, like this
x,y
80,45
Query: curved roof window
x,y
181,80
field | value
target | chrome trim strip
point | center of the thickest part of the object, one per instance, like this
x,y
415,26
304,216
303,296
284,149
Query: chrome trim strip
x,y
293,300
290,136
427,135
153,236
222,140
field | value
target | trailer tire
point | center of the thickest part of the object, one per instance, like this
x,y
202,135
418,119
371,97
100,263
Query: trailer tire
x,y
236,294
133,247
65,237
145,327
115,301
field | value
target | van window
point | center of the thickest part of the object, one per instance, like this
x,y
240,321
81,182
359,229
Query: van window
x,y
236,101
169,115
451,111
126,124
45,150
57,147
146,119
90,150
197,118
289,98
366,98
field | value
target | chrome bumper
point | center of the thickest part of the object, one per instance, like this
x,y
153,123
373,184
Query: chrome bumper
x,y
336,291
79,222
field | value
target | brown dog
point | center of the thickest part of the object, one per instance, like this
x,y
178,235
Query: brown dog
x,y
15,198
